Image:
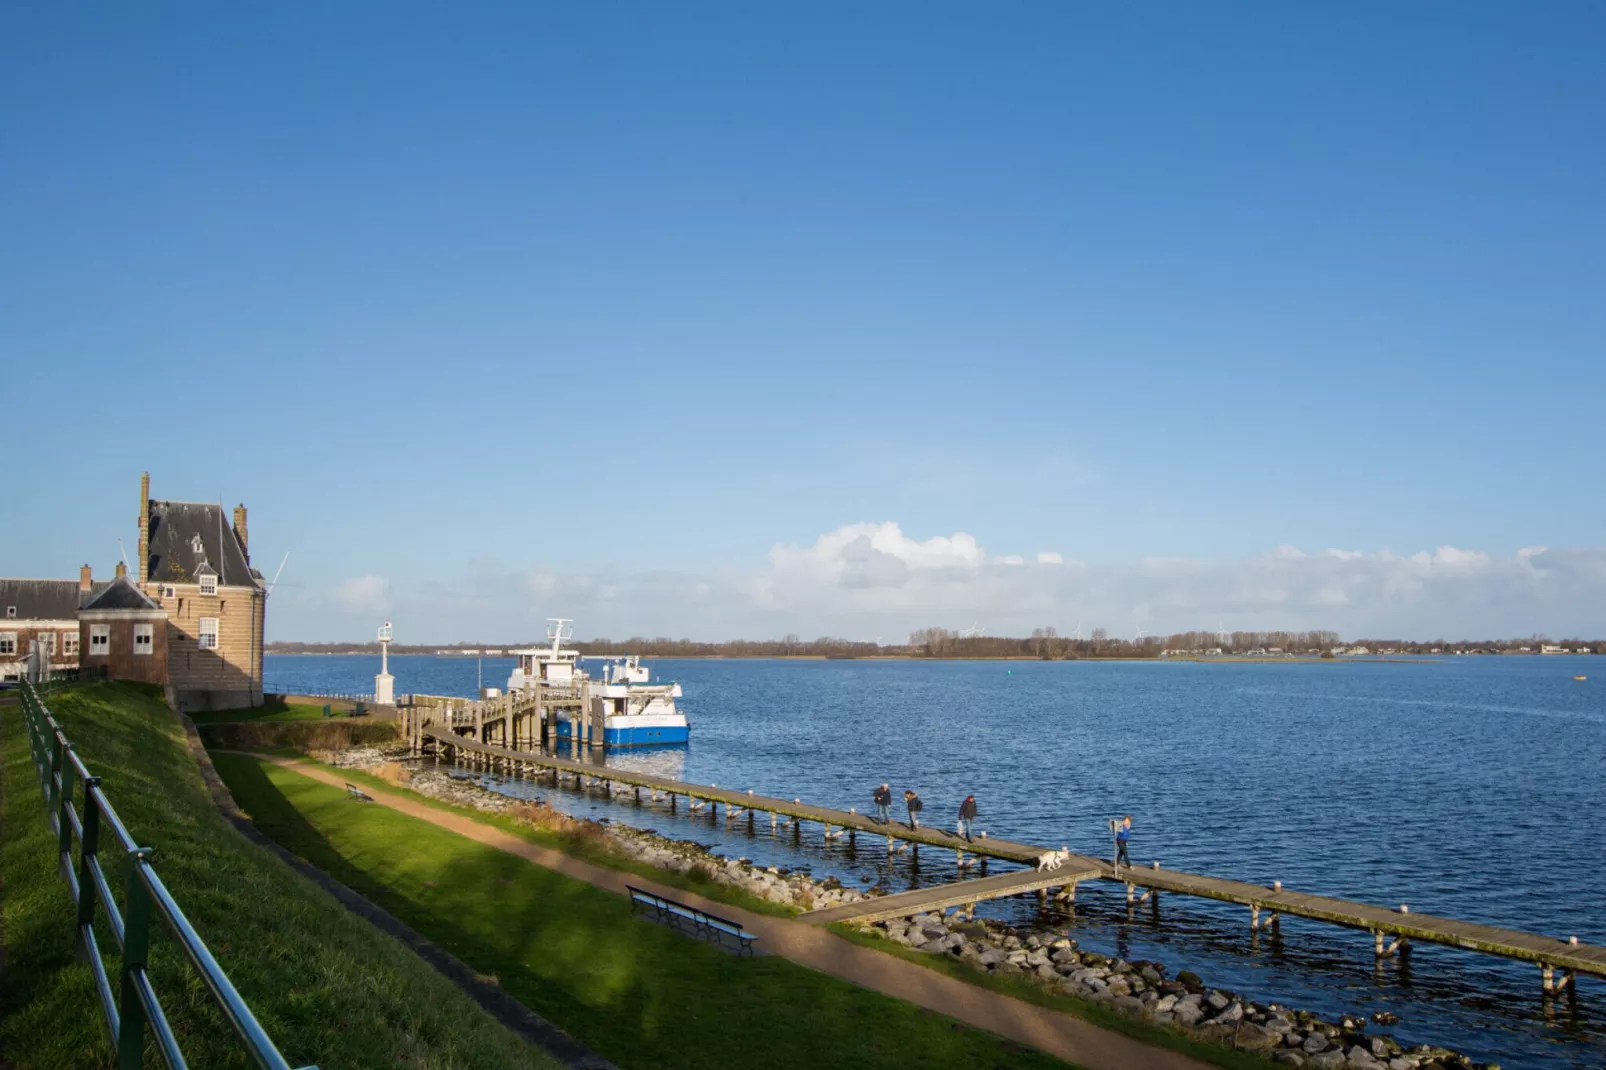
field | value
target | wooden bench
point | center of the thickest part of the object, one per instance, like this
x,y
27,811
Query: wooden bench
x,y
704,924
357,793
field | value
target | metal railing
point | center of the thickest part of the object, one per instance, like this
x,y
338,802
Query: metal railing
x,y
133,1005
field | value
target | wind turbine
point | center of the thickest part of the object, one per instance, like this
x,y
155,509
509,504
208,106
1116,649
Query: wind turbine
x,y
1221,632
1140,633
1078,633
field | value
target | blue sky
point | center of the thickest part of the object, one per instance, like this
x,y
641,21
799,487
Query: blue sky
x,y
484,307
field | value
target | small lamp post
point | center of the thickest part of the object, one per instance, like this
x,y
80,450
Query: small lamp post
x,y
384,683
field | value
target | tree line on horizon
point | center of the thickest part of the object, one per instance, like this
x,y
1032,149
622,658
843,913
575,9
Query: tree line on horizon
x,y
937,642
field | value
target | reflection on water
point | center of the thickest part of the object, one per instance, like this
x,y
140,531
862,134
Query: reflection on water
x,y
1470,788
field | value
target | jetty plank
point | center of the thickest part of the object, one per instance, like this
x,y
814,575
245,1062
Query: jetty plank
x,y
942,896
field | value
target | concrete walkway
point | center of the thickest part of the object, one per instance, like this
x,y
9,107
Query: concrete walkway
x,y
1058,1034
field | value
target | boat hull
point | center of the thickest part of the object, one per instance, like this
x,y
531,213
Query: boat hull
x,y
637,731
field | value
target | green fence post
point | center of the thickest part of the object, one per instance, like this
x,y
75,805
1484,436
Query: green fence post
x,y
64,811
136,945
88,844
57,746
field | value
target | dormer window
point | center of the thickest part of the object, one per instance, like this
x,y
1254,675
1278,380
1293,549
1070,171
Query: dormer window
x,y
195,545
11,612
208,584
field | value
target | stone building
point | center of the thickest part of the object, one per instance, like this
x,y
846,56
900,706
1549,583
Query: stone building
x,y
123,633
45,611
195,564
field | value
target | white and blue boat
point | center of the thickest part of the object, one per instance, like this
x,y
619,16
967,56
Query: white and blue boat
x,y
630,709
636,712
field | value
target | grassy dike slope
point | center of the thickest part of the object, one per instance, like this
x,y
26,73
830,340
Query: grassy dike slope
x,y
637,993
327,987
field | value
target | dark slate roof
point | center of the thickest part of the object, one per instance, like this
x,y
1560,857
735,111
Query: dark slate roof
x,y
175,528
121,594
39,599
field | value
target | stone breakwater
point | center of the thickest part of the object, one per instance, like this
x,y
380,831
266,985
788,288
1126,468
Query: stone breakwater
x,y
1140,989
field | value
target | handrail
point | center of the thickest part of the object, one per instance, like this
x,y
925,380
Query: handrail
x,y
133,1004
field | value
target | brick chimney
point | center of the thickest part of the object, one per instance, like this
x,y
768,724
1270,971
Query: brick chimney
x,y
84,580
122,571
144,526
239,530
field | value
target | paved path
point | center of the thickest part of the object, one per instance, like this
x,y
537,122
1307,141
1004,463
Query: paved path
x,y
1058,1034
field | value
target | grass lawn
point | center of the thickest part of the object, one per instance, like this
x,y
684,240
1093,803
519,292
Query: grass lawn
x,y
327,987
1020,988
636,992
588,850
276,710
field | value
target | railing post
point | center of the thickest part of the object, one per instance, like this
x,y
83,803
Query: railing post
x,y
136,944
88,844
63,812
57,746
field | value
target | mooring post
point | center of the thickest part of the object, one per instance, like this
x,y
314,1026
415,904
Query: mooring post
x,y
1377,943
1254,918
1547,978
1130,888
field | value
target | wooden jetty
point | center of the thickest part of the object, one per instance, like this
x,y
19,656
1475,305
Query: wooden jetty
x,y
737,803
461,733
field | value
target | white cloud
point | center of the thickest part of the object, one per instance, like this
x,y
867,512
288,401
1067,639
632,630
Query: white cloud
x,y
864,580
363,593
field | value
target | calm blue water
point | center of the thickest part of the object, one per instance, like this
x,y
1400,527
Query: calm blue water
x,y
1473,788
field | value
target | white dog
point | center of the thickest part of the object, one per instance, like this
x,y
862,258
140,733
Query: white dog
x,y
1053,859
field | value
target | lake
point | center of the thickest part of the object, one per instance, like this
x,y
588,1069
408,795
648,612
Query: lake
x,y
1473,788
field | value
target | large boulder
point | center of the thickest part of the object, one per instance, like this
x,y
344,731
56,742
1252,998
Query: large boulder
x,y
1251,1037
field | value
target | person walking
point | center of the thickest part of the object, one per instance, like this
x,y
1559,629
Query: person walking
x,y
967,815
883,804
1123,833
911,800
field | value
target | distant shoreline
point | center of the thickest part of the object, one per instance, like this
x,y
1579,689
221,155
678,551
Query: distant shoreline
x,y
1227,659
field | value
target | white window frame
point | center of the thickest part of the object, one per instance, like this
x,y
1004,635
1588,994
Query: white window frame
x,y
100,640
168,594
146,632
11,613
203,633
47,640
69,643
208,584
8,643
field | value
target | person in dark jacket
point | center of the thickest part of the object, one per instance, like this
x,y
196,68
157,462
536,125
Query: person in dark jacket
x,y
911,799
1123,833
967,815
883,803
